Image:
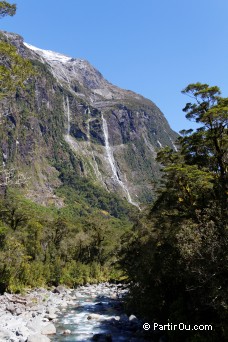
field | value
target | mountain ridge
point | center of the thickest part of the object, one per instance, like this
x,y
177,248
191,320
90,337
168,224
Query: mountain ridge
x,y
112,133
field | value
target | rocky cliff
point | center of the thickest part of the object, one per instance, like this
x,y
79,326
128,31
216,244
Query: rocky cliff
x,y
69,117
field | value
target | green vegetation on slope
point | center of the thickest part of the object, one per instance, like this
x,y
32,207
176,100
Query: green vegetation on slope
x,y
176,256
76,244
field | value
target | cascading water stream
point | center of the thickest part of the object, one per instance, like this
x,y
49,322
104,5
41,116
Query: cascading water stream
x,y
97,315
66,107
112,162
94,163
68,117
174,146
108,149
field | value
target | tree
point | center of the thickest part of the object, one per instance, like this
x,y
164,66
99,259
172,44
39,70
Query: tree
x,y
14,70
180,270
210,142
7,9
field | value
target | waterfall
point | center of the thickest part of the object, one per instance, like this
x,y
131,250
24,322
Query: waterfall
x,y
109,152
94,163
71,141
68,117
112,162
85,151
159,143
66,108
174,146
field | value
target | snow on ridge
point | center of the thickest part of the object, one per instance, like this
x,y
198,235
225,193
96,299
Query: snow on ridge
x,y
49,55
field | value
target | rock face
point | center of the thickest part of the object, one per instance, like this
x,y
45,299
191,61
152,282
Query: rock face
x,y
38,338
69,111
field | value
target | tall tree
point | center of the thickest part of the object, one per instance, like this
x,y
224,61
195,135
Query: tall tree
x,y
180,273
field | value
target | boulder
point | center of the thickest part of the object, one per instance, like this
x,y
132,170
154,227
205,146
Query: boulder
x,y
49,329
51,317
4,334
35,324
63,304
133,319
51,314
59,289
11,308
94,316
22,339
22,331
51,310
66,332
38,338
18,311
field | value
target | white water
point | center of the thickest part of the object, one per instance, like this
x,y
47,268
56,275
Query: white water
x,y
112,162
71,141
159,143
149,145
75,146
68,116
96,309
108,149
174,146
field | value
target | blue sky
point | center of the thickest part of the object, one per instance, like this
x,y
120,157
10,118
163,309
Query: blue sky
x,y
153,47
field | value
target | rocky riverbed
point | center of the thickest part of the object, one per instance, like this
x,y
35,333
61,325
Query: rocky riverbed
x,y
88,313
31,317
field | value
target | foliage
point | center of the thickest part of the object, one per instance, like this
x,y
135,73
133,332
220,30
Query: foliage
x,y
176,257
84,190
7,9
14,70
47,246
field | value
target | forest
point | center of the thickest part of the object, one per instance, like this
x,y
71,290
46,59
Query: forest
x,y
179,269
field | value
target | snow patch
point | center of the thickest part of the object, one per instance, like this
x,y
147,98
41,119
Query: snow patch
x,y
49,55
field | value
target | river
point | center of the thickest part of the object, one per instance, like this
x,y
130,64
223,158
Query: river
x,y
97,315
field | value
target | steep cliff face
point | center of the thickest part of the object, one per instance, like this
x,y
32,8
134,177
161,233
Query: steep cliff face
x,y
70,116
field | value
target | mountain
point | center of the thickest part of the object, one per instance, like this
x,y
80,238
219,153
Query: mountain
x,y
69,119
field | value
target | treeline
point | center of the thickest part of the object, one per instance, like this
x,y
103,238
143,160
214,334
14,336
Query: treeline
x,y
45,246
176,256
